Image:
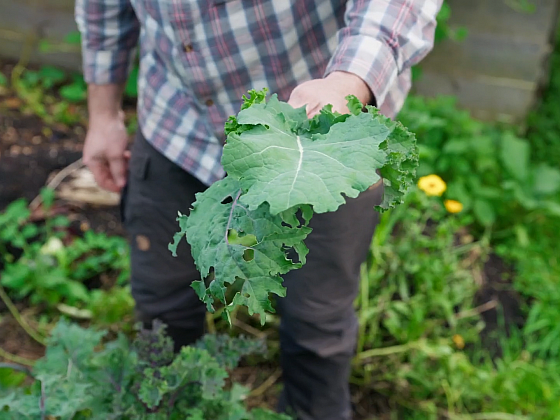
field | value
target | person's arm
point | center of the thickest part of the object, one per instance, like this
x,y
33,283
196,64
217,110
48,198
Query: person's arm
x,y
110,32
381,39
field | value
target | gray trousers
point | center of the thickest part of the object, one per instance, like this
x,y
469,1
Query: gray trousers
x,y
318,324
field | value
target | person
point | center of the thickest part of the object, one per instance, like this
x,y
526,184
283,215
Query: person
x,y
197,59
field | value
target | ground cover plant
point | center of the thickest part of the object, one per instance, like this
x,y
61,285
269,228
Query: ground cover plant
x,y
48,265
423,343
81,378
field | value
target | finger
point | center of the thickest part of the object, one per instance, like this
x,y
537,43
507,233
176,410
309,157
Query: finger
x,y
118,168
297,102
341,108
297,99
107,183
312,111
102,175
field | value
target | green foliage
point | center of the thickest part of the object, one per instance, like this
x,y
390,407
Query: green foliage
x,y
419,341
258,265
283,157
131,87
543,125
417,282
111,307
444,30
80,377
74,92
73,38
39,262
537,260
37,89
282,165
487,168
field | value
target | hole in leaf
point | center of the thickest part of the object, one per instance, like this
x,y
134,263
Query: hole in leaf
x,y
227,200
292,255
248,254
238,238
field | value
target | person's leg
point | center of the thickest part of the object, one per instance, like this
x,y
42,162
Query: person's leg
x,y
157,189
318,325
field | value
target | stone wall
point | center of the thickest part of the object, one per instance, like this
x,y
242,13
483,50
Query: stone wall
x,y
495,72
24,22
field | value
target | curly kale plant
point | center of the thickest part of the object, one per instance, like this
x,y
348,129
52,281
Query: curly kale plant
x,y
282,167
81,378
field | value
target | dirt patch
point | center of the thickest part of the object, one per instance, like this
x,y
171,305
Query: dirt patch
x,y
28,156
14,340
497,286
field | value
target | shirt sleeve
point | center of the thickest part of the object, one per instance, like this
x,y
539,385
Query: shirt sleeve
x,y
110,31
383,38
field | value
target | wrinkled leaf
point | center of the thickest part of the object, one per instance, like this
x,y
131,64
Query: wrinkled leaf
x,y
216,214
282,162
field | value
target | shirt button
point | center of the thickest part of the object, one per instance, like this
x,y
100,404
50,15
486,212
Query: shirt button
x,y
188,48
209,102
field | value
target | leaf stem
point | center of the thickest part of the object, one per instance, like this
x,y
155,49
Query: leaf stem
x,y
20,320
16,359
257,392
386,351
231,215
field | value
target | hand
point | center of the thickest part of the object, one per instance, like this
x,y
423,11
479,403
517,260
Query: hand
x,y
105,151
333,89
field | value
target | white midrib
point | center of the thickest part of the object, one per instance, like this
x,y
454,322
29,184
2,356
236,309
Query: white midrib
x,y
300,148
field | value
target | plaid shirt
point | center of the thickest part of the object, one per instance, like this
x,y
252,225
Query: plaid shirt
x,y
198,57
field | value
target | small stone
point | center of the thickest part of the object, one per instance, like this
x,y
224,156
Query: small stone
x,y
11,135
13,103
15,150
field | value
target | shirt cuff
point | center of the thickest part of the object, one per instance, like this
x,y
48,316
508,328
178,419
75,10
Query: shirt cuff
x,y
368,58
107,67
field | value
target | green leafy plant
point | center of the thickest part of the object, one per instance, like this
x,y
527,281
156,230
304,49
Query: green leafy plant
x,y
39,265
419,343
82,377
37,89
281,168
446,31
487,168
543,124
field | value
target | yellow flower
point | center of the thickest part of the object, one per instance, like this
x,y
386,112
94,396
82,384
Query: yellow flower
x,y
432,185
459,341
453,206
